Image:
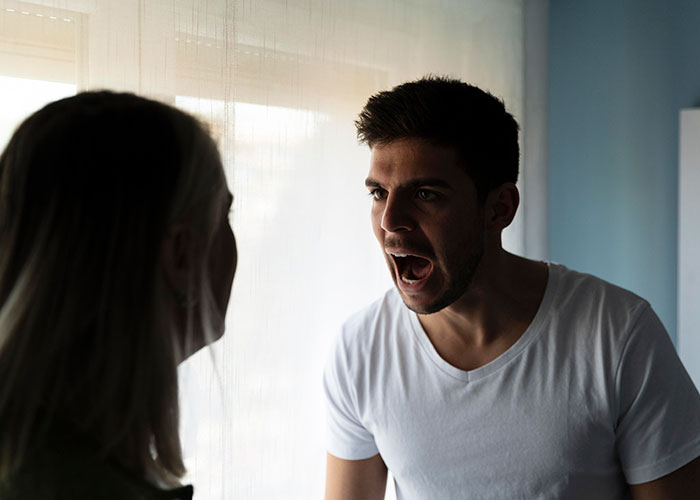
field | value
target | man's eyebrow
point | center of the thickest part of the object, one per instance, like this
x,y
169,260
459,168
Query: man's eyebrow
x,y
428,181
414,183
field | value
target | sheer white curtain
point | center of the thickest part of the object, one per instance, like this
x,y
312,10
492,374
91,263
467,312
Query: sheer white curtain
x,y
279,82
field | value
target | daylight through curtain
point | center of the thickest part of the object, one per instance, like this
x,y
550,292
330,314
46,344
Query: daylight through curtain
x,y
279,82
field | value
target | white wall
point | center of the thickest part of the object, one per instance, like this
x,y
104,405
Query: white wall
x,y
689,243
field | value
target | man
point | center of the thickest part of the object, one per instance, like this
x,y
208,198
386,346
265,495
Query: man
x,y
484,374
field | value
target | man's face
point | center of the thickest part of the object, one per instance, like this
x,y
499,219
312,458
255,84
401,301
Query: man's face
x,y
428,221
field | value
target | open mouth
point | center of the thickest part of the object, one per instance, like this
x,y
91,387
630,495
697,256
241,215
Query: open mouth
x,y
412,269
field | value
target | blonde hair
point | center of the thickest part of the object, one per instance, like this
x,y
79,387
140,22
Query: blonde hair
x,y
89,187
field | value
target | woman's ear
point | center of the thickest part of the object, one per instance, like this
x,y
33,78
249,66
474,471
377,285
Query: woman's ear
x,y
501,204
177,258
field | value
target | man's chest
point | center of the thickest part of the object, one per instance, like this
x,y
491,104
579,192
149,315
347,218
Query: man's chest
x,y
519,433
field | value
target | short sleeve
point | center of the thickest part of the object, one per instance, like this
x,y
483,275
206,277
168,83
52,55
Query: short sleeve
x,y
346,437
658,418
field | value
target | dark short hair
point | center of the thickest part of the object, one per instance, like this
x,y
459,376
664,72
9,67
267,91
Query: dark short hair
x,y
449,113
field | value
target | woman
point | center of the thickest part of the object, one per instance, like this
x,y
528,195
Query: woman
x,y
116,263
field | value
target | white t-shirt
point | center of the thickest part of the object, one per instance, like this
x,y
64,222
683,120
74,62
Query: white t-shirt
x,y
591,397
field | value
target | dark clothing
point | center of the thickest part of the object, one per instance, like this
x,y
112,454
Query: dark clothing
x,y
68,468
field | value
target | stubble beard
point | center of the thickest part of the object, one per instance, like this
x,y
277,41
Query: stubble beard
x,y
457,286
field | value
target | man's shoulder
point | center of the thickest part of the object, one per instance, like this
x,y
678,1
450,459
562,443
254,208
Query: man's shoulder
x,y
576,285
389,303
373,321
580,293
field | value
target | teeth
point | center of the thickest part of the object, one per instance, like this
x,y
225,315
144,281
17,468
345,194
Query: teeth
x,y
399,254
407,280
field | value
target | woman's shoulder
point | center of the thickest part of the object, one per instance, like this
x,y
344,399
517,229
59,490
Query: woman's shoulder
x,y
71,471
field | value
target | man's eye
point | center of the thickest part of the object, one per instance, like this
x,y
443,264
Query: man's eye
x,y
377,194
426,195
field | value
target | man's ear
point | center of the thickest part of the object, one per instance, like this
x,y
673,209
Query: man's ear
x,y
501,204
177,258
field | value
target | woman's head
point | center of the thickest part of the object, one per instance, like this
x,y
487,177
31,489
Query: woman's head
x,y
116,261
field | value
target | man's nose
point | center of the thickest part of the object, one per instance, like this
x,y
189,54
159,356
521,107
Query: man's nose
x,y
397,215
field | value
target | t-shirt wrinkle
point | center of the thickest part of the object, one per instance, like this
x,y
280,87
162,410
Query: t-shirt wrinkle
x,y
619,413
682,456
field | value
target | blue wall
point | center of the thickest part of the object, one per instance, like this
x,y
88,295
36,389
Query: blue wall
x,y
619,73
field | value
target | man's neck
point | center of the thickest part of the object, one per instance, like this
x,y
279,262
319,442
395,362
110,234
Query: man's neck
x,y
492,315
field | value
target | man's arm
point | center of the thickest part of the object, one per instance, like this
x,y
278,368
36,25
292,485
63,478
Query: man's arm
x,y
683,484
355,479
